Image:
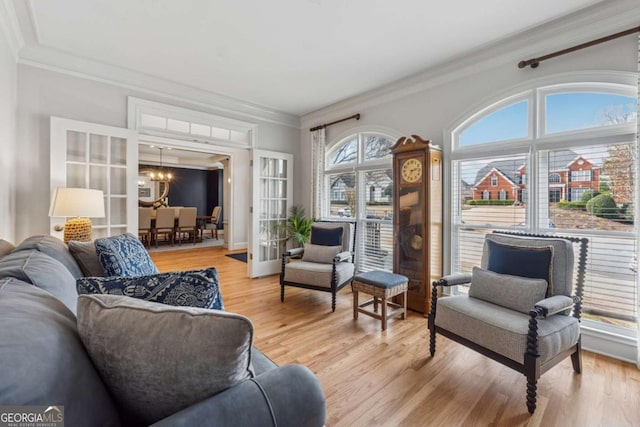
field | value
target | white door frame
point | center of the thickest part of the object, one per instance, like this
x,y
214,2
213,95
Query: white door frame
x,y
227,211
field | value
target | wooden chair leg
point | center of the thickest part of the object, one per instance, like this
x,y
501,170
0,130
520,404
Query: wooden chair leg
x,y
576,358
355,304
384,313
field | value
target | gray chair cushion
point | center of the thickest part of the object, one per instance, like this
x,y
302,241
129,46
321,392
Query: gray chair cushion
x,y
319,253
44,361
87,258
260,362
313,273
158,359
503,330
562,273
517,293
53,247
5,248
42,271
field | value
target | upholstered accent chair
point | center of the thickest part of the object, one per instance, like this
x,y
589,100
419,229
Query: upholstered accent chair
x,y
523,305
325,264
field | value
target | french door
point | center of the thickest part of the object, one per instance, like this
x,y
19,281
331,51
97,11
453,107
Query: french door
x,y
272,196
89,155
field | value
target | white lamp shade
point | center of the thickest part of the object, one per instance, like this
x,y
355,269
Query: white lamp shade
x,y
77,202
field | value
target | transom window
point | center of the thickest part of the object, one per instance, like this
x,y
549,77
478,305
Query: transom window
x,y
358,182
581,179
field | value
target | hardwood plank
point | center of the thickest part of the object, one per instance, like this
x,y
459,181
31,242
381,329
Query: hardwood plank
x,y
374,378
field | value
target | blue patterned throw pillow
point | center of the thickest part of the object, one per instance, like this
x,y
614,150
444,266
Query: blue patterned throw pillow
x,y
124,255
194,288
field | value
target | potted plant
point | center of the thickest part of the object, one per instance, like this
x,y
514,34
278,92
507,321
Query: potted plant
x,y
297,228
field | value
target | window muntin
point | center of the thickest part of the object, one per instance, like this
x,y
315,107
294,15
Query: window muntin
x,y
573,111
359,186
610,294
345,152
513,124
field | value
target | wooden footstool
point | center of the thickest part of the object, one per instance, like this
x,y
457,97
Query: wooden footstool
x,y
381,285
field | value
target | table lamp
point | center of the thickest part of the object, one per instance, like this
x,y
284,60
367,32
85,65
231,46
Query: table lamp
x,y
77,204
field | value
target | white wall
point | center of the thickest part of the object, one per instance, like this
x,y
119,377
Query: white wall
x,y
8,72
42,93
429,112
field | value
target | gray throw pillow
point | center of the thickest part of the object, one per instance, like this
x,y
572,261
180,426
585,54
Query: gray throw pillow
x,y
514,292
42,271
158,359
320,253
87,258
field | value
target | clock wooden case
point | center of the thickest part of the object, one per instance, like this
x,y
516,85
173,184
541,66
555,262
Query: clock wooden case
x,y
417,217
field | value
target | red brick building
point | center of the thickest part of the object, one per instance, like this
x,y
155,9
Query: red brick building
x,y
568,182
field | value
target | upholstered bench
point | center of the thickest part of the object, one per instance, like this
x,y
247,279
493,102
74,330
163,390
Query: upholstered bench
x,y
380,285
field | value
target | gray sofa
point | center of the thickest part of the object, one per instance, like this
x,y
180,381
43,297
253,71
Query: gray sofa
x,y
44,361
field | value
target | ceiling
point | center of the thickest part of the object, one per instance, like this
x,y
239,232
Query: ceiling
x,y
291,56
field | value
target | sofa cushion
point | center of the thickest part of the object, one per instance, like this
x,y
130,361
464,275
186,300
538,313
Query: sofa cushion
x,y
195,288
326,236
523,261
124,255
5,248
86,256
157,359
44,361
320,253
41,270
517,293
53,247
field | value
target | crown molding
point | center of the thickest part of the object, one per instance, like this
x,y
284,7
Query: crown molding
x,y
591,23
10,27
62,62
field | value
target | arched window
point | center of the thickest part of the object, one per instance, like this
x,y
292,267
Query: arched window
x,y
359,187
580,138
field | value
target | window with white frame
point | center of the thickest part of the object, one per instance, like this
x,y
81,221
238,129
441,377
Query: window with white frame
x,y
581,139
359,182
581,175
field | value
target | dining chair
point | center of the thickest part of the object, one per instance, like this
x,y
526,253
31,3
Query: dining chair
x,y
212,224
187,224
144,225
165,222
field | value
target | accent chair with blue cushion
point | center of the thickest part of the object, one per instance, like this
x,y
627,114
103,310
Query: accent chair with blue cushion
x,y
326,263
523,306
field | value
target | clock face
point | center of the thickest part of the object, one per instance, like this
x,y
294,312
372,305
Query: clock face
x,y
411,170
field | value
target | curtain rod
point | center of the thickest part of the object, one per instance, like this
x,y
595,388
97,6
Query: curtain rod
x,y
355,116
534,62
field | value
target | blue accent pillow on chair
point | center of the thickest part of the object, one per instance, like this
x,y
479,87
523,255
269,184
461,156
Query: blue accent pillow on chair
x,y
326,236
530,262
124,255
194,288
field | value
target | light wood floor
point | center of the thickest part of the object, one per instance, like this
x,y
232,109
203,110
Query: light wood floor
x,y
374,378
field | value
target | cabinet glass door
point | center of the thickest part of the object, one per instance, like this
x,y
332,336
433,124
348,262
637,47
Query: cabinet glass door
x,y
88,155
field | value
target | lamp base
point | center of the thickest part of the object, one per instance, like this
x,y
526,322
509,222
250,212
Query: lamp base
x,y
78,229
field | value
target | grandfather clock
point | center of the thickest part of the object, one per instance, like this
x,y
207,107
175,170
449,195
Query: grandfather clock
x,y
417,217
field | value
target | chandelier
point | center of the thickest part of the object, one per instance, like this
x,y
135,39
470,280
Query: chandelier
x,y
160,174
